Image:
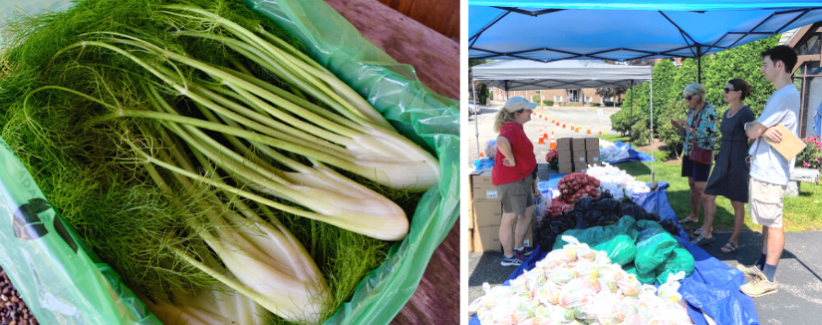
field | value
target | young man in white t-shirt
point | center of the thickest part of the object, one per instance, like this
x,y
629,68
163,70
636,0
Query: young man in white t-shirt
x,y
770,172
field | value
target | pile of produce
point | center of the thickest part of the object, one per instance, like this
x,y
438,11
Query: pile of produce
x,y
225,175
617,181
580,285
576,186
642,247
551,156
610,152
589,212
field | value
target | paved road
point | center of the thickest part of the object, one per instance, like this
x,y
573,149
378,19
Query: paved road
x,y
574,115
797,301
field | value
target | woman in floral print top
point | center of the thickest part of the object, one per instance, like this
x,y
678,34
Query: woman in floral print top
x,y
701,127
705,130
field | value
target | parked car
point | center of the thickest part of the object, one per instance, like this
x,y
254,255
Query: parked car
x,y
473,109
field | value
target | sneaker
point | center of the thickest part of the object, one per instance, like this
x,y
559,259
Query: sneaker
x,y
513,260
525,251
759,287
751,271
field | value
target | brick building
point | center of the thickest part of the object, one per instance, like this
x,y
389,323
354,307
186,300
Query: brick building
x,y
557,95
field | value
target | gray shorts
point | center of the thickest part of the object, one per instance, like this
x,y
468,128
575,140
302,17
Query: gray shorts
x,y
517,196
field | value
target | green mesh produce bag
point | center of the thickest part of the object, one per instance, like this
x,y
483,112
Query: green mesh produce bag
x,y
63,282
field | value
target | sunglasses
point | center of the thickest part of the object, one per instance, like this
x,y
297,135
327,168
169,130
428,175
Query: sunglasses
x,y
688,98
727,90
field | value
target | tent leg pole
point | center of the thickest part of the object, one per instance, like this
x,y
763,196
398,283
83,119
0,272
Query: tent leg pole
x,y
652,130
476,116
631,117
698,64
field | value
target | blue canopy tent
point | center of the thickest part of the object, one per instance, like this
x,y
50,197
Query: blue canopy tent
x,y
548,31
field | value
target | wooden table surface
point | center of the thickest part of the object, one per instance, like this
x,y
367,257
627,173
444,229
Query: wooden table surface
x,y
436,60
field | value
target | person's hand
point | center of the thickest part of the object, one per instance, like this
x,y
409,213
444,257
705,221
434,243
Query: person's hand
x,y
674,122
773,134
537,193
509,162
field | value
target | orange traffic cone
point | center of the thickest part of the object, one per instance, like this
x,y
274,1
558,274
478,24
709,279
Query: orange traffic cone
x,y
541,140
578,127
589,129
563,124
600,131
553,143
546,118
481,154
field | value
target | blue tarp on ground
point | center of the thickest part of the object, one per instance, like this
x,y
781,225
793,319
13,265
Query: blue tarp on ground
x,y
712,288
635,155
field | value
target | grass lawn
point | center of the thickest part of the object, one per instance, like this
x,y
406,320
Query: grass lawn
x,y
613,137
800,213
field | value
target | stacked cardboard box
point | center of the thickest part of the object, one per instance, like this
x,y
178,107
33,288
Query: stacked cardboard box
x,y
566,156
592,151
487,209
487,215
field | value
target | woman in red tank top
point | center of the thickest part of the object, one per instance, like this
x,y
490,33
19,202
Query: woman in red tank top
x,y
512,175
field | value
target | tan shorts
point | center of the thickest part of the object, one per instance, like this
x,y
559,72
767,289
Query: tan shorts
x,y
517,196
766,203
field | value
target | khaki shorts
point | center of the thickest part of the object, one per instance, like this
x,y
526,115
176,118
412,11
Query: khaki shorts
x,y
766,203
517,196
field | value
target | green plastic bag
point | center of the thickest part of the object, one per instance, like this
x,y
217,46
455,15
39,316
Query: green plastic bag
x,y
61,281
64,283
617,239
641,277
654,245
680,260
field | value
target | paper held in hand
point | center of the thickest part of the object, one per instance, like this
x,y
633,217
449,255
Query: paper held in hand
x,y
790,146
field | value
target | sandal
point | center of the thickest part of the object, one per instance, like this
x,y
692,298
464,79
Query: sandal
x,y
687,221
729,247
698,231
701,241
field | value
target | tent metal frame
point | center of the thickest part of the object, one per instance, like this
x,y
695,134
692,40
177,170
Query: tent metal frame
x,y
697,49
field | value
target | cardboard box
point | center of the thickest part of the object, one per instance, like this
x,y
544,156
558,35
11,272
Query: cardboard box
x,y
591,144
566,167
565,156
579,156
592,157
487,213
580,167
564,144
578,144
471,241
529,239
481,186
486,239
471,216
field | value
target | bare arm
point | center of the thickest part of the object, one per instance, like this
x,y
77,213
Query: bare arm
x,y
755,130
505,149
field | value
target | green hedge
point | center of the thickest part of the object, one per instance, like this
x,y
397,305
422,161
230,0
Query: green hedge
x,y
548,102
